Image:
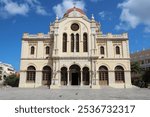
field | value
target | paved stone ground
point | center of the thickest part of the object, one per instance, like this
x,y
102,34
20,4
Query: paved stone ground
x,y
105,93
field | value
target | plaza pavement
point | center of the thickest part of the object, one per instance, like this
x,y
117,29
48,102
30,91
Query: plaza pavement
x,y
43,93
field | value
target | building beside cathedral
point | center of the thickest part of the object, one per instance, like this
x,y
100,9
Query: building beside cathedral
x,y
75,52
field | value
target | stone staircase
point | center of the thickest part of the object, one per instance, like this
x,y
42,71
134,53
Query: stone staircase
x,y
75,87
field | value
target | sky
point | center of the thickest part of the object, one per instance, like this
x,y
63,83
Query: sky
x,y
34,16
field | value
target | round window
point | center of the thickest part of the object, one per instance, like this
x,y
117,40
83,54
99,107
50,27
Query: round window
x,y
74,27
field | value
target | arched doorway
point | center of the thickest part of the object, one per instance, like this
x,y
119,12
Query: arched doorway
x,y
46,80
119,74
86,76
103,75
75,76
64,76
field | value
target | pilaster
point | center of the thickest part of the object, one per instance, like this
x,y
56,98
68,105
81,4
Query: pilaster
x,y
38,80
128,79
111,80
22,81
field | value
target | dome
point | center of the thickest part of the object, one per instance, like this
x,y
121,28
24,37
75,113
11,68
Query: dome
x,y
79,12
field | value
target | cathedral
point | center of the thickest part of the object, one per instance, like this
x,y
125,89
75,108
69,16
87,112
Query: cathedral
x,y
75,52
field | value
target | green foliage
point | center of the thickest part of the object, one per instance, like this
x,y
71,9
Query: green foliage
x,y
146,76
12,80
135,67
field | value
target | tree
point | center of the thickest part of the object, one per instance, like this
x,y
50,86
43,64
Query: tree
x,y
135,68
136,74
12,80
146,77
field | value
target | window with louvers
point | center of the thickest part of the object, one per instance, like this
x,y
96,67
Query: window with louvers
x,y
32,50
103,73
47,50
119,74
85,43
46,73
117,50
64,42
31,72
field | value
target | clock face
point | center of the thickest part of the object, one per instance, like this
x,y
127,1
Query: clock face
x,y
74,27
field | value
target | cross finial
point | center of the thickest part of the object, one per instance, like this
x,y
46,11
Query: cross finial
x,y
92,17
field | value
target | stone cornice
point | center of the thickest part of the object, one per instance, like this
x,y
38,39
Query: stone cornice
x,y
111,39
110,36
77,58
36,39
81,71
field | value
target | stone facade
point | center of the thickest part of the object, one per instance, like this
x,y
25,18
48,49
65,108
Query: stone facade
x,y
75,52
143,58
5,70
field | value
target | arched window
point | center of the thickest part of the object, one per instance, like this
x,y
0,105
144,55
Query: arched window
x,y
46,75
31,72
47,50
32,50
85,42
86,76
117,50
102,51
103,75
72,42
77,42
64,42
119,74
64,76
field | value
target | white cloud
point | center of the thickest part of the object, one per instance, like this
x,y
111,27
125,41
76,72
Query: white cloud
x,y
102,14
134,13
33,2
95,0
36,5
11,8
40,10
105,15
61,8
147,29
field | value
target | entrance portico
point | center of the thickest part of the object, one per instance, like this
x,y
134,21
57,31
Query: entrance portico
x,y
75,75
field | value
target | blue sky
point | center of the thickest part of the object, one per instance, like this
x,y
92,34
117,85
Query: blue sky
x,y
34,16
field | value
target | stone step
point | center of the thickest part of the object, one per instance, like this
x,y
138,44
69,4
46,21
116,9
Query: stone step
x,y
74,87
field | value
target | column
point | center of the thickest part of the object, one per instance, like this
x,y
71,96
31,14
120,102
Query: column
x,y
94,41
68,82
54,73
97,77
56,51
59,78
95,74
81,78
90,78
